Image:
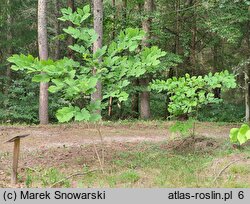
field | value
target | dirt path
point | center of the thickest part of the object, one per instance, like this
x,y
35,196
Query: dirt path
x,y
43,137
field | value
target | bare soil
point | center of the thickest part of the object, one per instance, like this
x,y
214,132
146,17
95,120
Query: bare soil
x,y
68,147
75,135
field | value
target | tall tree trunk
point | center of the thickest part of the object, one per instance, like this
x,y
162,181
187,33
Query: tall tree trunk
x,y
177,36
57,30
193,39
43,54
144,82
98,27
9,49
247,94
112,38
135,100
247,76
124,17
70,40
217,91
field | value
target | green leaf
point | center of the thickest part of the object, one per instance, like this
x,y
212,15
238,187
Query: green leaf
x,y
78,48
95,117
94,106
100,52
242,134
41,78
233,135
84,115
65,114
86,9
248,135
53,89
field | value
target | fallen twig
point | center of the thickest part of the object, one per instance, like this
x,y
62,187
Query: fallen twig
x,y
228,165
72,175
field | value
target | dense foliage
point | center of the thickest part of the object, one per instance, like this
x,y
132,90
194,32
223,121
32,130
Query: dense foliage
x,y
188,94
186,39
75,79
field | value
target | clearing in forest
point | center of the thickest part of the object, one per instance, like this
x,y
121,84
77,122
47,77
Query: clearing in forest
x,y
141,154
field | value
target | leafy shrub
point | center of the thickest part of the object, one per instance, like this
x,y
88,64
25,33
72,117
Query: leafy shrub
x,y
188,94
182,127
21,102
120,62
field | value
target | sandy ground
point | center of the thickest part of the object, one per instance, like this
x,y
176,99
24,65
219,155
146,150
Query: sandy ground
x,y
42,137
61,146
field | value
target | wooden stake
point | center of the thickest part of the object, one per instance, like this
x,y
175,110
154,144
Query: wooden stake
x,y
15,160
16,153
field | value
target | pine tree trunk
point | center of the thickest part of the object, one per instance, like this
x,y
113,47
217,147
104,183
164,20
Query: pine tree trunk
x,y
43,54
247,94
216,91
124,17
144,82
193,38
98,27
57,30
144,100
247,76
112,38
9,49
70,40
135,100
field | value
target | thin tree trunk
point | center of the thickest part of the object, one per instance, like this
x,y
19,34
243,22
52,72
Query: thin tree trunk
x,y
217,91
193,38
144,82
57,30
70,40
114,21
135,100
247,94
124,17
9,50
112,38
177,36
144,99
247,77
98,27
43,54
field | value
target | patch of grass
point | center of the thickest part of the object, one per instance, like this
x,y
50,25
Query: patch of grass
x,y
165,168
45,178
129,176
148,165
236,184
240,169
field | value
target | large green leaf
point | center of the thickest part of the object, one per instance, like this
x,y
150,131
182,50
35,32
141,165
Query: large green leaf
x,y
65,114
248,135
41,78
242,134
233,135
84,115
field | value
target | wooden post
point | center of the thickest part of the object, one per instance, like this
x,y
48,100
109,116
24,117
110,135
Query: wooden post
x,y
15,160
16,153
